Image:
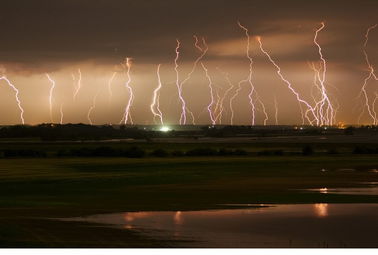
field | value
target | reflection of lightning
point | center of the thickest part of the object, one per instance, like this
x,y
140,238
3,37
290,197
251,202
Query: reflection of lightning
x,y
299,99
127,115
93,106
155,99
78,86
368,77
61,114
17,97
51,94
209,107
249,79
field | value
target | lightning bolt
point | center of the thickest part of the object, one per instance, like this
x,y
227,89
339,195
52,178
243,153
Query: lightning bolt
x,y
289,86
179,89
51,95
368,77
155,99
61,114
249,79
209,107
16,96
276,110
92,107
237,91
263,109
325,106
221,103
217,106
179,85
127,115
78,87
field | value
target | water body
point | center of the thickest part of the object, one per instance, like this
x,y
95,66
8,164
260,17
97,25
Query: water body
x,y
304,225
369,188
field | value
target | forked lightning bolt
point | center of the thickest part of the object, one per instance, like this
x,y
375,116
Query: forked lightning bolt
x,y
370,109
126,114
155,105
209,107
10,84
249,79
51,95
290,87
92,107
78,86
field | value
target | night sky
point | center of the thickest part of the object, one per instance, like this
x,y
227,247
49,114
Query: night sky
x,y
60,37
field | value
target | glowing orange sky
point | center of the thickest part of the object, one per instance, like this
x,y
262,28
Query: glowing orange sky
x,y
41,37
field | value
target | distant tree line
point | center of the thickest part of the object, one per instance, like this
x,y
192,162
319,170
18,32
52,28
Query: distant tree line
x,y
73,132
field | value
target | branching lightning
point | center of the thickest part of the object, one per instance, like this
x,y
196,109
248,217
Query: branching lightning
x,y
78,86
51,95
370,109
209,107
249,79
179,90
92,107
179,85
290,87
221,103
233,97
275,110
326,110
155,105
127,115
61,114
10,84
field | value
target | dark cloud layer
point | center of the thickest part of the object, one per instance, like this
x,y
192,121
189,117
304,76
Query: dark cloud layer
x,y
39,33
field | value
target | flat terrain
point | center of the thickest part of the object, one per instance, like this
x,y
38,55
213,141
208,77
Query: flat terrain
x,y
35,190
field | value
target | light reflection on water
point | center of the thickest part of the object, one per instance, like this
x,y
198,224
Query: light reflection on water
x,y
372,190
304,225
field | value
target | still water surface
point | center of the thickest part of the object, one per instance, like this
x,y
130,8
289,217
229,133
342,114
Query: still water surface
x,y
304,225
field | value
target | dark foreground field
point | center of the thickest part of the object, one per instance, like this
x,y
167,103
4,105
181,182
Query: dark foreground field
x,y
33,191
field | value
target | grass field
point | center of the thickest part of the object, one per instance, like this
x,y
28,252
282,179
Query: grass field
x,y
35,190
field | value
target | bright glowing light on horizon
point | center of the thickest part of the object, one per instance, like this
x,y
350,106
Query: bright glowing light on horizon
x,y
164,129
